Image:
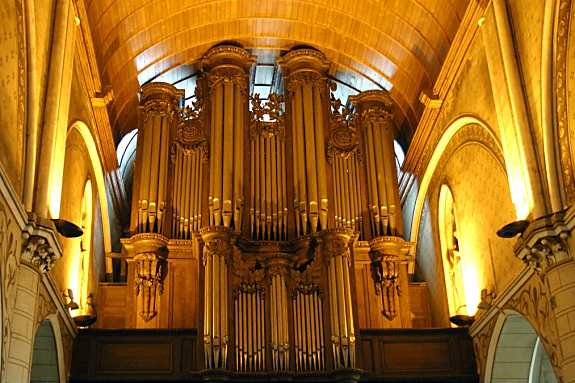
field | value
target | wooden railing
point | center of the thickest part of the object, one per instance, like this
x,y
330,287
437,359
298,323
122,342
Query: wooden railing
x,y
391,355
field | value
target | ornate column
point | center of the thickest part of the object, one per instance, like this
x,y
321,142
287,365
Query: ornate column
x,y
335,249
158,108
278,269
305,72
547,248
216,254
147,261
227,69
389,251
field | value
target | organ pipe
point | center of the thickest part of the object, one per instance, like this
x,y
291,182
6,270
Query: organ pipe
x,y
158,107
268,214
189,155
335,247
305,77
249,304
215,260
227,69
374,116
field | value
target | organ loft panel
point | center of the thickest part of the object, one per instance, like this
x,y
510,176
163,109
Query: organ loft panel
x,y
271,222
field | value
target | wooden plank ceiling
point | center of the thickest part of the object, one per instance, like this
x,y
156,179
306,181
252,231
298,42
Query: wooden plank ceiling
x,y
399,45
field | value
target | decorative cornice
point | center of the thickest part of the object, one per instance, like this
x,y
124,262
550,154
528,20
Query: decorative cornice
x,y
447,76
160,97
391,246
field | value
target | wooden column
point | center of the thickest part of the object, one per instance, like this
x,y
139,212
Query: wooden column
x,y
305,73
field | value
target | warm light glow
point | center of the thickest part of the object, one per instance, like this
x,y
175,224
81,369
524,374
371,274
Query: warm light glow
x,y
519,195
472,287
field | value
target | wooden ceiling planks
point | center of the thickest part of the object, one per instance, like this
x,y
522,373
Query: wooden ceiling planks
x,y
400,44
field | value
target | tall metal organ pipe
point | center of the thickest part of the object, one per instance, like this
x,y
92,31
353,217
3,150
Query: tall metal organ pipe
x,y
227,69
374,113
158,110
305,73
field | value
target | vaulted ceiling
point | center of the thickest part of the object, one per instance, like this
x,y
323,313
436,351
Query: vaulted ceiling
x,y
399,45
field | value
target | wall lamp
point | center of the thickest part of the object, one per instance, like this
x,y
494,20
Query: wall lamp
x,y
67,229
512,229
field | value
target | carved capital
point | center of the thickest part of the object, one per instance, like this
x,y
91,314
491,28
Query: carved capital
x,y
216,242
548,252
304,66
159,98
335,242
226,63
374,106
37,252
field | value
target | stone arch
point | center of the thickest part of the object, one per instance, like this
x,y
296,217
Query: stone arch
x,y
564,133
438,152
515,349
53,364
100,184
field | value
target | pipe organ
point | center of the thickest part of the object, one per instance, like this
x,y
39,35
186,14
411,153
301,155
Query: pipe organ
x,y
268,210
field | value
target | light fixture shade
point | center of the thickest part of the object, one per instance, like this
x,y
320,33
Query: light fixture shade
x,y
67,229
512,229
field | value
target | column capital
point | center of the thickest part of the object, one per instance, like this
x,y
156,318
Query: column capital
x,y
37,251
391,246
227,63
374,105
303,60
545,243
335,242
216,241
160,98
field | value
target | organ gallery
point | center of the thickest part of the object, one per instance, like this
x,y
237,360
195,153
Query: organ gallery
x,y
264,211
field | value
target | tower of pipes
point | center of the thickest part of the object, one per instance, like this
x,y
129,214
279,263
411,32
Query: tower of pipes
x,y
253,219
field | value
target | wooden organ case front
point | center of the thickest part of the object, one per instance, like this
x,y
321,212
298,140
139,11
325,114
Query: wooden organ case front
x,y
273,227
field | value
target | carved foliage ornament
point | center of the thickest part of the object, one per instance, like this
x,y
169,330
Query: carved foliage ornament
x,y
267,119
385,274
37,251
149,282
190,135
548,252
343,139
224,74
